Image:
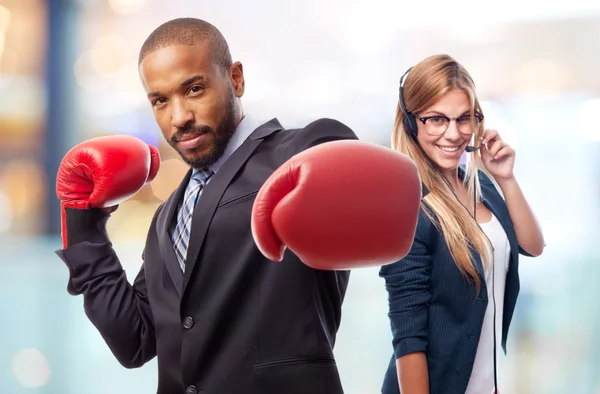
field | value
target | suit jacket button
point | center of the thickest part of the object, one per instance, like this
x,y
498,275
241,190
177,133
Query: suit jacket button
x,y
188,323
191,390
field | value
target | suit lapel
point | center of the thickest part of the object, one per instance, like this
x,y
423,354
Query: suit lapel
x,y
165,244
212,193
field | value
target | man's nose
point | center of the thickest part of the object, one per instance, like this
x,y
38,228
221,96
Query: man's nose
x,y
181,116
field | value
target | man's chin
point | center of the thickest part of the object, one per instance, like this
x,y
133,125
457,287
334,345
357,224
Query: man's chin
x,y
200,159
205,155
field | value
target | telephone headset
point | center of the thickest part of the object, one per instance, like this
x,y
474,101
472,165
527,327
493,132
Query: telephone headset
x,y
410,125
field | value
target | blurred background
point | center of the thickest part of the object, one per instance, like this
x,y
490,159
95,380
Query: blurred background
x,y
68,72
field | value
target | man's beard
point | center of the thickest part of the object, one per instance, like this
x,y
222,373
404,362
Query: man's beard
x,y
225,129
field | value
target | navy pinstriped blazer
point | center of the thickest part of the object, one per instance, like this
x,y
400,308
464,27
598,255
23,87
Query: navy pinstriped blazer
x,y
432,307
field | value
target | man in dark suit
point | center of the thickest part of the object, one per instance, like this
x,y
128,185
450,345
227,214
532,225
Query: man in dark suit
x,y
208,302
219,316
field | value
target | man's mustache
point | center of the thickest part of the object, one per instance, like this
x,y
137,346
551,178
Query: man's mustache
x,y
190,131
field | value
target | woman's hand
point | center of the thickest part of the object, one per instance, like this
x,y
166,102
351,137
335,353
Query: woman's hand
x,y
497,156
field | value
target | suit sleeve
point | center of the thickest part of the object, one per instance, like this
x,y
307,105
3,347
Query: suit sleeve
x,y
119,310
407,285
318,132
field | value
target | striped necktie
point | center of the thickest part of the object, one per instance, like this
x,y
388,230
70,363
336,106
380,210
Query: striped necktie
x,y
181,235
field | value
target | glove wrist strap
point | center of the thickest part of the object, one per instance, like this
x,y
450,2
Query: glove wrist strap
x,y
81,225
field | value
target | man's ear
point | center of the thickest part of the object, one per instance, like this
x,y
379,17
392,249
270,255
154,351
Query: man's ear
x,y
236,71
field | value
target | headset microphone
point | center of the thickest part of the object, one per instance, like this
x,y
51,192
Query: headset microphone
x,y
472,148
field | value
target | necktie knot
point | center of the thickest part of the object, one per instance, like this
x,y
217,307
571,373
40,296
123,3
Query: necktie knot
x,y
201,176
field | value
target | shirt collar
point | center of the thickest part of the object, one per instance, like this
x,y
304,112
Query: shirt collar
x,y
247,125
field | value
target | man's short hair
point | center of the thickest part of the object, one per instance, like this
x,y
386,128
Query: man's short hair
x,y
188,31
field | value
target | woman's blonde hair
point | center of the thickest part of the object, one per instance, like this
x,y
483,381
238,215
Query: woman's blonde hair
x,y
425,84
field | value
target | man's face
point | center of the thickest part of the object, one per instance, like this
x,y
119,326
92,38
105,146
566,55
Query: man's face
x,y
194,104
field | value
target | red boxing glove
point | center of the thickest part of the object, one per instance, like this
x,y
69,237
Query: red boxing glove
x,y
103,172
339,205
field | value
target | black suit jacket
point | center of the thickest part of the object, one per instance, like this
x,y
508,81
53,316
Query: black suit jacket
x,y
234,322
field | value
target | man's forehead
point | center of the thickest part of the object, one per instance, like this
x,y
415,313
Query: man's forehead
x,y
176,59
178,55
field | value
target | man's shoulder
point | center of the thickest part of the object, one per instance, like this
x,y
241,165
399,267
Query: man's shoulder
x,y
316,132
170,199
320,125
158,210
327,126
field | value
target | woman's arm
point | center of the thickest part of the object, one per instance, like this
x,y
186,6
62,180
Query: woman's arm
x,y
413,375
529,232
499,160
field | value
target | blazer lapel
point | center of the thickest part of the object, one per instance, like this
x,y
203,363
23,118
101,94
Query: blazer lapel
x,y
165,244
212,193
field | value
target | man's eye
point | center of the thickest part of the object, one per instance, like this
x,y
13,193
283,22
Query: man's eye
x,y
196,89
159,101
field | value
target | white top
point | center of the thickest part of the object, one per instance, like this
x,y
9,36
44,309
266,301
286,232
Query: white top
x,y
482,377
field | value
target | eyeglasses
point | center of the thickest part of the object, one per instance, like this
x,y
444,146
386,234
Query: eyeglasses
x,y
438,124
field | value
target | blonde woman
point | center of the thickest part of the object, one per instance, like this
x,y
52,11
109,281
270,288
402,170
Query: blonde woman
x,y
452,298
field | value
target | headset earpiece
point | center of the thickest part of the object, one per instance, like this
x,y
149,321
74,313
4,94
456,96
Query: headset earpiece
x,y
410,122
